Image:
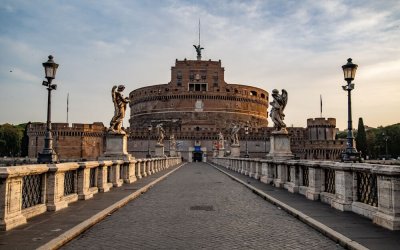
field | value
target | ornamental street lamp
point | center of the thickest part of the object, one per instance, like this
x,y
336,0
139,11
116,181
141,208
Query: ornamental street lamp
x,y
246,131
48,155
149,128
349,71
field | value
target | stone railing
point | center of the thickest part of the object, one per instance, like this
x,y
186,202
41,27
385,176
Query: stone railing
x,y
30,190
366,189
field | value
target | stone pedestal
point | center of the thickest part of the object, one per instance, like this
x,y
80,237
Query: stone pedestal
x,y
280,146
172,153
221,152
116,148
235,150
159,150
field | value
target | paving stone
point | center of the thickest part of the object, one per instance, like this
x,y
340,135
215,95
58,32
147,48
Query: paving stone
x,y
162,218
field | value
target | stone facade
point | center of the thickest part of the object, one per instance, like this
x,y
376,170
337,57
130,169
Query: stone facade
x,y
78,142
196,104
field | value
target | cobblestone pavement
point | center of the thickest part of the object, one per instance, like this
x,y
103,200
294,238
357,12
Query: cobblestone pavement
x,y
198,207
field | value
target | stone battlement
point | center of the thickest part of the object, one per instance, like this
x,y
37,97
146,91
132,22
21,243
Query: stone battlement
x,y
321,122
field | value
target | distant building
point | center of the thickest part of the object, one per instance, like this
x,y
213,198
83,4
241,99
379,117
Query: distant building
x,y
196,104
78,142
321,142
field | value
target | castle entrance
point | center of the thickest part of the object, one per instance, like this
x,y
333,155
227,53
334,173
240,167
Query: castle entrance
x,y
197,154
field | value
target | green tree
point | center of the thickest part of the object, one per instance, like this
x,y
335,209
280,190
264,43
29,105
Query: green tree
x,y
361,138
10,140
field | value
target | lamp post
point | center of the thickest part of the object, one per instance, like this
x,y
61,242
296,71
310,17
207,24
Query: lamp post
x,y
386,138
246,131
149,128
349,71
48,155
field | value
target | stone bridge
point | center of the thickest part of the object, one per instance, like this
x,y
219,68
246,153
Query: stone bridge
x,y
228,203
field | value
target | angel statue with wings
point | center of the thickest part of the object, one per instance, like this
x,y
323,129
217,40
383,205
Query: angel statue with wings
x,y
161,134
198,50
277,107
234,134
119,109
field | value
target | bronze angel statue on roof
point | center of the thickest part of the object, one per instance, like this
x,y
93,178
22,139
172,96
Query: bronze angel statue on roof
x,y
119,109
198,50
277,108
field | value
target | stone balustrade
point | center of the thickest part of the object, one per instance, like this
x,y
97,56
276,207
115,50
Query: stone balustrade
x,y
370,190
30,190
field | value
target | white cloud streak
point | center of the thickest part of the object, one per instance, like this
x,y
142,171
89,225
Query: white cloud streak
x,y
296,45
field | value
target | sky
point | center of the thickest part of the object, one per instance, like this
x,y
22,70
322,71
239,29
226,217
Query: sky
x,y
295,45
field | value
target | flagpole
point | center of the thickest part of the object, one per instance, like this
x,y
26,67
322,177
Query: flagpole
x,y
320,98
67,107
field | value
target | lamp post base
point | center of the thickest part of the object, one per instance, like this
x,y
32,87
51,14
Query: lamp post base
x,y
351,155
47,157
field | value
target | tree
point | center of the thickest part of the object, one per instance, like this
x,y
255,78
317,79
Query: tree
x,y
361,138
10,140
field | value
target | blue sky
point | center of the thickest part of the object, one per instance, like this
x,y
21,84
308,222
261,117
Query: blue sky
x,y
296,45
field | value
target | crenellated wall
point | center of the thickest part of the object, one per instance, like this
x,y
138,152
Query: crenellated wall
x,y
76,142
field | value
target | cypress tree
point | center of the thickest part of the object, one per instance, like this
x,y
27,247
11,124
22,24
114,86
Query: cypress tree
x,y
361,138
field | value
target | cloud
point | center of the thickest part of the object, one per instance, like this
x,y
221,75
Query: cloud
x,y
296,45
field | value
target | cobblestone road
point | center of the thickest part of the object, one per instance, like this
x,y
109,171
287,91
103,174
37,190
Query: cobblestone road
x,y
198,207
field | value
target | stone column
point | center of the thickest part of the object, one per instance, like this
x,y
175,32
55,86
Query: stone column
x,y
257,170
293,185
314,182
280,179
84,190
130,177
11,201
55,189
102,183
117,181
266,172
344,183
388,214
138,163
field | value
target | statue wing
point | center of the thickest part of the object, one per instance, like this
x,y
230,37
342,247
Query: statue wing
x,y
284,98
114,97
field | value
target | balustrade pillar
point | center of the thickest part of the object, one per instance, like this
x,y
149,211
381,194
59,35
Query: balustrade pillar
x,y
344,184
293,185
11,201
130,176
388,214
267,172
85,189
280,179
102,174
314,182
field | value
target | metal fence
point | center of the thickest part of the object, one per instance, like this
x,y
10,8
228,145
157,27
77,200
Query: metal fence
x,y
367,188
32,190
305,175
69,182
330,180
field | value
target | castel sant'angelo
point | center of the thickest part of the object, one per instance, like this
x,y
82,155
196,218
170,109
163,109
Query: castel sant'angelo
x,y
195,108
196,105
